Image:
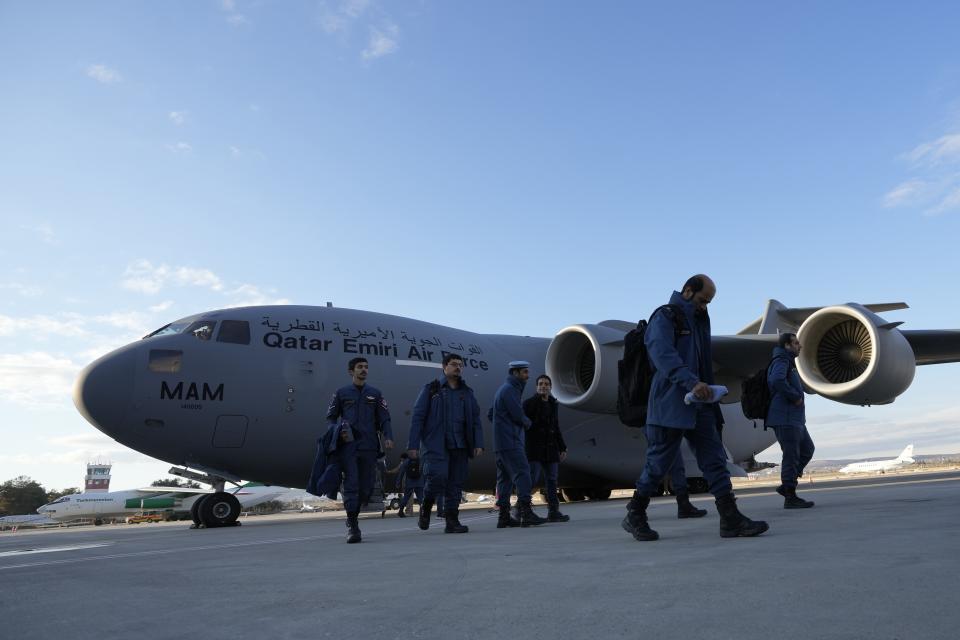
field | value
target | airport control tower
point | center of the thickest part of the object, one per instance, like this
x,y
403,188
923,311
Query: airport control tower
x,y
98,477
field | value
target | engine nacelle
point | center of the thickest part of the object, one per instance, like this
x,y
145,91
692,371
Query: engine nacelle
x,y
582,362
853,356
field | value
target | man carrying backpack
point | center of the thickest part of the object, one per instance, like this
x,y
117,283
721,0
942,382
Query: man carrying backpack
x,y
446,423
683,364
787,417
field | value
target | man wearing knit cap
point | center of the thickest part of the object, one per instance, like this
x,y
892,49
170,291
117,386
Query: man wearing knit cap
x,y
509,427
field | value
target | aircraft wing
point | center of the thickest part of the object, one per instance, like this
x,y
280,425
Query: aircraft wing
x,y
741,356
935,346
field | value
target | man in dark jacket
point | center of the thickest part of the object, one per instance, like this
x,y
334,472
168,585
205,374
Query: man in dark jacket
x,y
446,425
683,363
364,409
787,417
544,443
509,427
409,481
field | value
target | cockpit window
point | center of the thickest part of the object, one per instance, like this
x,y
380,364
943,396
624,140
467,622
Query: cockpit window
x,y
165,360
168,329
235,331
202,329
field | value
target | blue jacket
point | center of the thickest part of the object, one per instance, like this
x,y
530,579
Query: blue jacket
x,y
677,370
428,425
366,411
325,474
509,420
785,389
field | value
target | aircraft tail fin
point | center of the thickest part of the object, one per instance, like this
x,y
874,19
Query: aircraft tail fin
x,y
906,455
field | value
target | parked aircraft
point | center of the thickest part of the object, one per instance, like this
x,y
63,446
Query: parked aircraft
x,y
242,393
176,502
905,458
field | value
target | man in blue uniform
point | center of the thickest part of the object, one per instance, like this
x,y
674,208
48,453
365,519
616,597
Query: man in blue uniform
x,y
545,446
364,408
409,481
446,425
513,470
683,363
678,480
787,417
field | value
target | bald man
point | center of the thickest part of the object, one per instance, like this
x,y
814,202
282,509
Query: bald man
x,y
678,345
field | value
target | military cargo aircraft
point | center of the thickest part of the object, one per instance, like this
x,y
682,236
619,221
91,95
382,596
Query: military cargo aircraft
x,y
242,393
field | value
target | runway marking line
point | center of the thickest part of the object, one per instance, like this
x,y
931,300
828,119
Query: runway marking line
x,y
70,547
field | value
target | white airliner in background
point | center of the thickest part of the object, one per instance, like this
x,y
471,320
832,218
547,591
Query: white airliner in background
x,y
101,506
905,458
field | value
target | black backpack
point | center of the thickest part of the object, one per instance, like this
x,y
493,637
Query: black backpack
x,y
755,394
635,373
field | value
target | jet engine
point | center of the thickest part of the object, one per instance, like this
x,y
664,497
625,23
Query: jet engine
x,y
582,362
853,356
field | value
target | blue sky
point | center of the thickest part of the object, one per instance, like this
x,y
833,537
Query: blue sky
x,y
500,167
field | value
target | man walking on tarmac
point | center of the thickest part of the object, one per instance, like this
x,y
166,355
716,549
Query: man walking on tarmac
x,y
364,408
513,470
446,423
683,363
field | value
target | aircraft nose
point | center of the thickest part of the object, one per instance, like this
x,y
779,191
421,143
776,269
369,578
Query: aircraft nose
x,y
103,389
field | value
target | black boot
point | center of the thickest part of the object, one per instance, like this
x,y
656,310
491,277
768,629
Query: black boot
x,y
353,528
554,515
792,501
528,517
687,510
424,520
400,511
636,521
505,520
453,522
733,523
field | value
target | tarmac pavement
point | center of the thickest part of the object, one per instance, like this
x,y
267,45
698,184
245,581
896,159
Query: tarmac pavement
x,y
876,558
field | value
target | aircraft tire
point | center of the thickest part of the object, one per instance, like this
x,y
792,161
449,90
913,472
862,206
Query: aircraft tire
x,y
220,509
195,511
573,495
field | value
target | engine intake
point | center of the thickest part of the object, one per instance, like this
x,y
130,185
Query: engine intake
x,y
582,362
854,356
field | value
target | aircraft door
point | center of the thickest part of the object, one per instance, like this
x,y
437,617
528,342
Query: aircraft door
x,y
230,432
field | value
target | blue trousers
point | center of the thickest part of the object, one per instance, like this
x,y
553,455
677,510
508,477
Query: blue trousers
x,y
552,470
445,473
358,476
678,475
513,470
797,449
663,445
408,493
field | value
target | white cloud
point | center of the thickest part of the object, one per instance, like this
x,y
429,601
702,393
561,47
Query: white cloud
x,y
163,306
180,147
237,20
104,74
178,117
41,326
338,19
248,295
27,291
44,230
945,148
37,378
382,42
228,5
904,194
142,276
950,203
235,152
80,449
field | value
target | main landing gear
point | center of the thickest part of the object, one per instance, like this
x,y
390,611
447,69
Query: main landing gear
x,y
210,511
